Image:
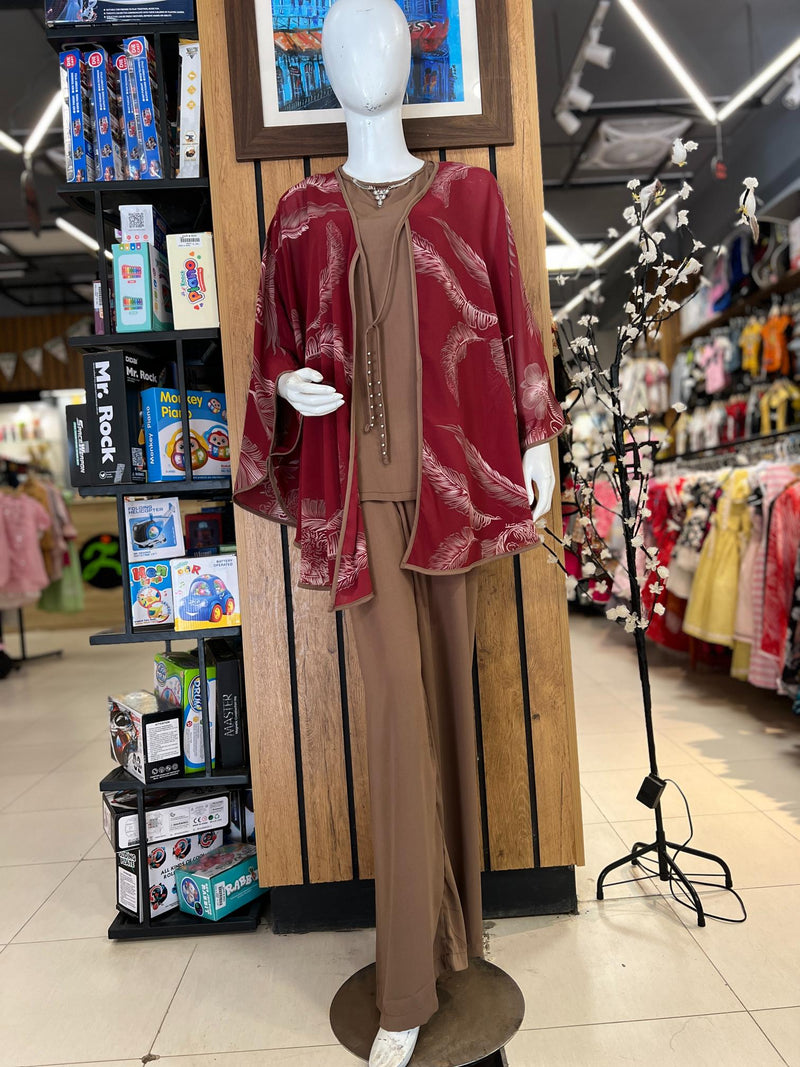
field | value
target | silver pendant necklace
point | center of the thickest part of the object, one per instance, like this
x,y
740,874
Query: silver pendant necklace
x,y
381,192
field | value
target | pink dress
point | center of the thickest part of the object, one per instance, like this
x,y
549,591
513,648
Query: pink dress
x,y
22,571
782,546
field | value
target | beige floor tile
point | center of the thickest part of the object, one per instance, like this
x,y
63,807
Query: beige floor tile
x,y
766,784
759,958
280,989
83,905
74,1001
36,759
603,846
47,836
591,812
782,1027
758,851
321,1056
623,751
75,728
732,740
59,790
23,890
732,1039
601,965
100,850
14,785
787,818
595,718
615,792
94,759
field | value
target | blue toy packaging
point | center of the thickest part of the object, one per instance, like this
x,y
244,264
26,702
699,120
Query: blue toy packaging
x,y
206,592
141,64
106,124
177,680
153,529
151,595
131,126
76,116
162,862
164,444
214,885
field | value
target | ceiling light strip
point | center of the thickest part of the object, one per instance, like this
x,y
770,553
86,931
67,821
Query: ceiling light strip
x,y
563,234
576,300
51,112
772,70
9,143
79,235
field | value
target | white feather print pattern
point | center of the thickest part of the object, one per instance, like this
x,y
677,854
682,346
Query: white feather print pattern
x,y
314,556
474,264
262,390
351,567
269,314
440,188
518,535
295,223
252,463
329,342
333,530
428,261
454,352
332,273
512,244
452,487
297,330
454,552
491,481
326,183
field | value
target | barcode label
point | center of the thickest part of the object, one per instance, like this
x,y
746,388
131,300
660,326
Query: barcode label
x,y
136,220
219,896
188,240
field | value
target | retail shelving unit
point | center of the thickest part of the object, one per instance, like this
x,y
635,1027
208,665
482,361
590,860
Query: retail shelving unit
x,y
185,204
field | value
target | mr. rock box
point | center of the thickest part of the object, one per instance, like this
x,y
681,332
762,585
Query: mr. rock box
x,y
208,430
116,439
162,861
167,814
219,883
206,592
146,736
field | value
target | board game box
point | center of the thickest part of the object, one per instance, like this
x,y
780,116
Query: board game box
x,y
76,117
193,280
131,126
168,813
141,288
141,64
106,121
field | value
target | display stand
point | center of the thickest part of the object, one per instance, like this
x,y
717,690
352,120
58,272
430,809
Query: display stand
x,y
480,1010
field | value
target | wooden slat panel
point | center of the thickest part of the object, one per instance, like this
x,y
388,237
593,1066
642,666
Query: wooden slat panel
x,y
259,546
31,331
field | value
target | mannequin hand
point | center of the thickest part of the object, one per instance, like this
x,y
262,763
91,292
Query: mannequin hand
x,y
540,478
303,391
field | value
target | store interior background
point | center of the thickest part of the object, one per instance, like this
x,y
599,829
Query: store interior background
x,y
633,975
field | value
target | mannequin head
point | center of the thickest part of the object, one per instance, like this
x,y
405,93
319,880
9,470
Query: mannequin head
x,y
366,46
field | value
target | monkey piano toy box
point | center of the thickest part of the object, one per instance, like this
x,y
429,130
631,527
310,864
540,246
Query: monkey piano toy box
x,y
208,431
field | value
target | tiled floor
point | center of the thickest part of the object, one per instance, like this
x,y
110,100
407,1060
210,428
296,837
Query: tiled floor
x,y
630,980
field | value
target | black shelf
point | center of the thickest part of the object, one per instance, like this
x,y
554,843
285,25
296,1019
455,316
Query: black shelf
x,y
63,33
119,778
179,924
170,194
120,637
154,337
199,487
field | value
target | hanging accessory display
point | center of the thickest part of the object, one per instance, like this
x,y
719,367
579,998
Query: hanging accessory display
x,y
381,192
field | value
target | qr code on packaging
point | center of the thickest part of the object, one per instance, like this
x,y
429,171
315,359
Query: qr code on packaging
x,y
136,220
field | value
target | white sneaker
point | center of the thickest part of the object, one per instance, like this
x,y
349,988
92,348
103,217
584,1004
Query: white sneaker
x,y
393,1048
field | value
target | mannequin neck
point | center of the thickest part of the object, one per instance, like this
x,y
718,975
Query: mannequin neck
x,y
377,149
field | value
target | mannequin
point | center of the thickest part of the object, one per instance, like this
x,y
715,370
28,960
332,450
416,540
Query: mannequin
x,y
424,453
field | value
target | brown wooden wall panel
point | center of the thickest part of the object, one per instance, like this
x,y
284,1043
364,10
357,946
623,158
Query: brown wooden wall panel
x,y
31,331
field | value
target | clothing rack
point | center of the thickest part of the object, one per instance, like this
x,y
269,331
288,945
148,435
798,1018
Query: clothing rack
x,y
717,451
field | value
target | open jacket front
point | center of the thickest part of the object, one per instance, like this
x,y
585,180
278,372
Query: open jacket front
x,y
484,393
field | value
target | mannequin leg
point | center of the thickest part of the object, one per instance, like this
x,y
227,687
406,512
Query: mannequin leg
x,y
402,640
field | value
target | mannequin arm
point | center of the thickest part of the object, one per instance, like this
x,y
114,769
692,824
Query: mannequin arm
x,y
304,391
540,478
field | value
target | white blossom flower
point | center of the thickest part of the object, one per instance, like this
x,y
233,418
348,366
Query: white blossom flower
x,y
588,320
651,194
679,151
646,466
568,457
631,271
659,609
683,217
561,279
606,554
634,184
630,624
630,522
589,569
571,583
658,237
656,588
637,541
631,215
612,613
649,255
697,246
551,559
680,407
629,309
663,572
685,191
612,233
580,344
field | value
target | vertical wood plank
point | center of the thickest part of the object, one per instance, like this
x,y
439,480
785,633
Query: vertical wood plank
x,y
259,552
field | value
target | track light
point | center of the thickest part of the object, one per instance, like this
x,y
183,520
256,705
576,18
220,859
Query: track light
x,y
9,143
579,99
602,55
568,122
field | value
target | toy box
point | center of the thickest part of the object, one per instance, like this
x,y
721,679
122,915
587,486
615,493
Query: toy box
x,y
162,861
153,529
242,826
141,288
203,534
142,222
141,64
210,447
106,123
206,592
220,882
131,125
177,680
79,12
193,280
80,470
231,751
167,814
189,110
152,604
116,438
146,736
76,117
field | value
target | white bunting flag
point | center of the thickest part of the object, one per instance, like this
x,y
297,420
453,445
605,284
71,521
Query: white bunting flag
x,y
34,358
57,349
8,364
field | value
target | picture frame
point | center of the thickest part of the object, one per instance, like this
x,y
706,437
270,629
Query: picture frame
x,y
283,111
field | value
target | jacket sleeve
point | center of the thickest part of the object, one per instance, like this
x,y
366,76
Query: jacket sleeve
x,y
265,482
539,414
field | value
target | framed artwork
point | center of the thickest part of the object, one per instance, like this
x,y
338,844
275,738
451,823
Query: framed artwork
x,y
459,91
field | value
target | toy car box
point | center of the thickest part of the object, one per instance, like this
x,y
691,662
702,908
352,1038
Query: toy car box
x,y
76,117
145,736
152,603
113,380
167,814
177,680
162,861
214,885
77,12
153,529
131,125
163,431
142,64
142,222
141,288
231,751
193,280
106,121
189,111
206,592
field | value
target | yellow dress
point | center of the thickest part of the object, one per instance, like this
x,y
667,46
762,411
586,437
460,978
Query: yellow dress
x,y
711,610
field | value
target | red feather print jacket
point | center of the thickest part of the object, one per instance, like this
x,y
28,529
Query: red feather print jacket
x,y
484,392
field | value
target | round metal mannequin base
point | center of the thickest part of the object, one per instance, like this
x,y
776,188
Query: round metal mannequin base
x,y
480,1010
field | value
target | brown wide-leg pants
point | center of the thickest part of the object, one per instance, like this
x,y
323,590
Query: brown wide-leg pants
x,y
415,641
